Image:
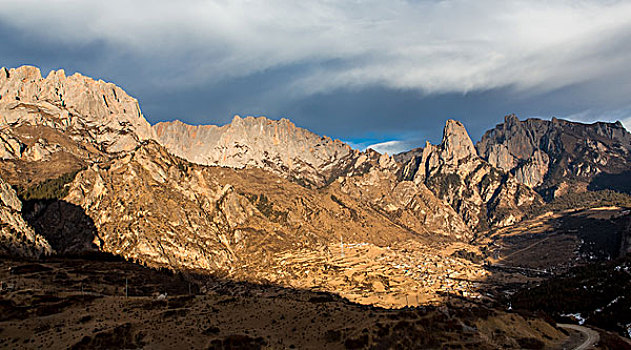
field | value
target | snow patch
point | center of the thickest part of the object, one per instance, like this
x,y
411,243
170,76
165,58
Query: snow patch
x,y
577,316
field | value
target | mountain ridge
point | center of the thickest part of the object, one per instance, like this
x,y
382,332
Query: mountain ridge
x,y
79,106
557,156
278,145
261,190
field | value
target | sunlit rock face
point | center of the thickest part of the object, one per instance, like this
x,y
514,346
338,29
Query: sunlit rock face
x,y
481,193
151,206
278,146
315,162
407,203
558,156
97,110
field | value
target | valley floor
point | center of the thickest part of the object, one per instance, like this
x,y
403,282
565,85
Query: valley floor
x,y
81,304
437,294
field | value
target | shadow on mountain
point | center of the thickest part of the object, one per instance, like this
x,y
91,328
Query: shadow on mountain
x,y
620,182
596,294
193,297
66,226
600,238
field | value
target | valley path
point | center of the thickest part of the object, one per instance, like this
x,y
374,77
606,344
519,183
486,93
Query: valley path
x,y
592,335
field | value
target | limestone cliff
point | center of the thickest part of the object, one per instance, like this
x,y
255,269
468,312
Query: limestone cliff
x,y
482,194
558,156
277,146
77,105
409,204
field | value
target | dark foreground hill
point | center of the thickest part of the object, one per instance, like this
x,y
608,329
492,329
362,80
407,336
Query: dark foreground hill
x,y
81,304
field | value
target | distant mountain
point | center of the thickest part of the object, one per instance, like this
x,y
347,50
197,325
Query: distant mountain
x,y
483,195
82,158
277,146
559,156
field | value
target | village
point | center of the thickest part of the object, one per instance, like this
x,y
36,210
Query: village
x,y
408,274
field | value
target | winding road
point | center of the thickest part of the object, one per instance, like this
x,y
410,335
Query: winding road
x,y
592,336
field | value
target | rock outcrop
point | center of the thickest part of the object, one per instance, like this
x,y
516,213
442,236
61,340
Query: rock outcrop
x,y
558,156
409,204
76,105
32,154
481,193
17,238
12,148
276,146
151,206
313,161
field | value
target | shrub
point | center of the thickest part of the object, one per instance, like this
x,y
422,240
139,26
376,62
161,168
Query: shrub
x,y
266,207
48,189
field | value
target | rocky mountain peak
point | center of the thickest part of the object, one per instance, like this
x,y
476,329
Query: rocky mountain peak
x,y
548,154
59,74
23,73
511,119
477,190
236,120
456,144
113,115
276,145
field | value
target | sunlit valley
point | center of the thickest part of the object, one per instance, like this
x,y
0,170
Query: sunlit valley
x,y
262,234
315,175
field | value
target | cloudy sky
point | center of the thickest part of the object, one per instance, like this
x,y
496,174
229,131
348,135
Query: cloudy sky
x,y
364,71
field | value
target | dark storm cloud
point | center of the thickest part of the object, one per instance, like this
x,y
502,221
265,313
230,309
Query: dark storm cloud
x,y
363,71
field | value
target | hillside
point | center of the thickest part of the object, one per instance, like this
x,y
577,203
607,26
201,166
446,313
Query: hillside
x,y
482,194
274,214
558,156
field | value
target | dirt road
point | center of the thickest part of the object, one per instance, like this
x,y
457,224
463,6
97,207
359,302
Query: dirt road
x,y
592,337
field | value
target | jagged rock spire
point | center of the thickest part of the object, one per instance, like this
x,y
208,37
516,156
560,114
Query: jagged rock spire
x,y
456,144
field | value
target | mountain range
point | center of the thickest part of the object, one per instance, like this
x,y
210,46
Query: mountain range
x,y
82,171
59,125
